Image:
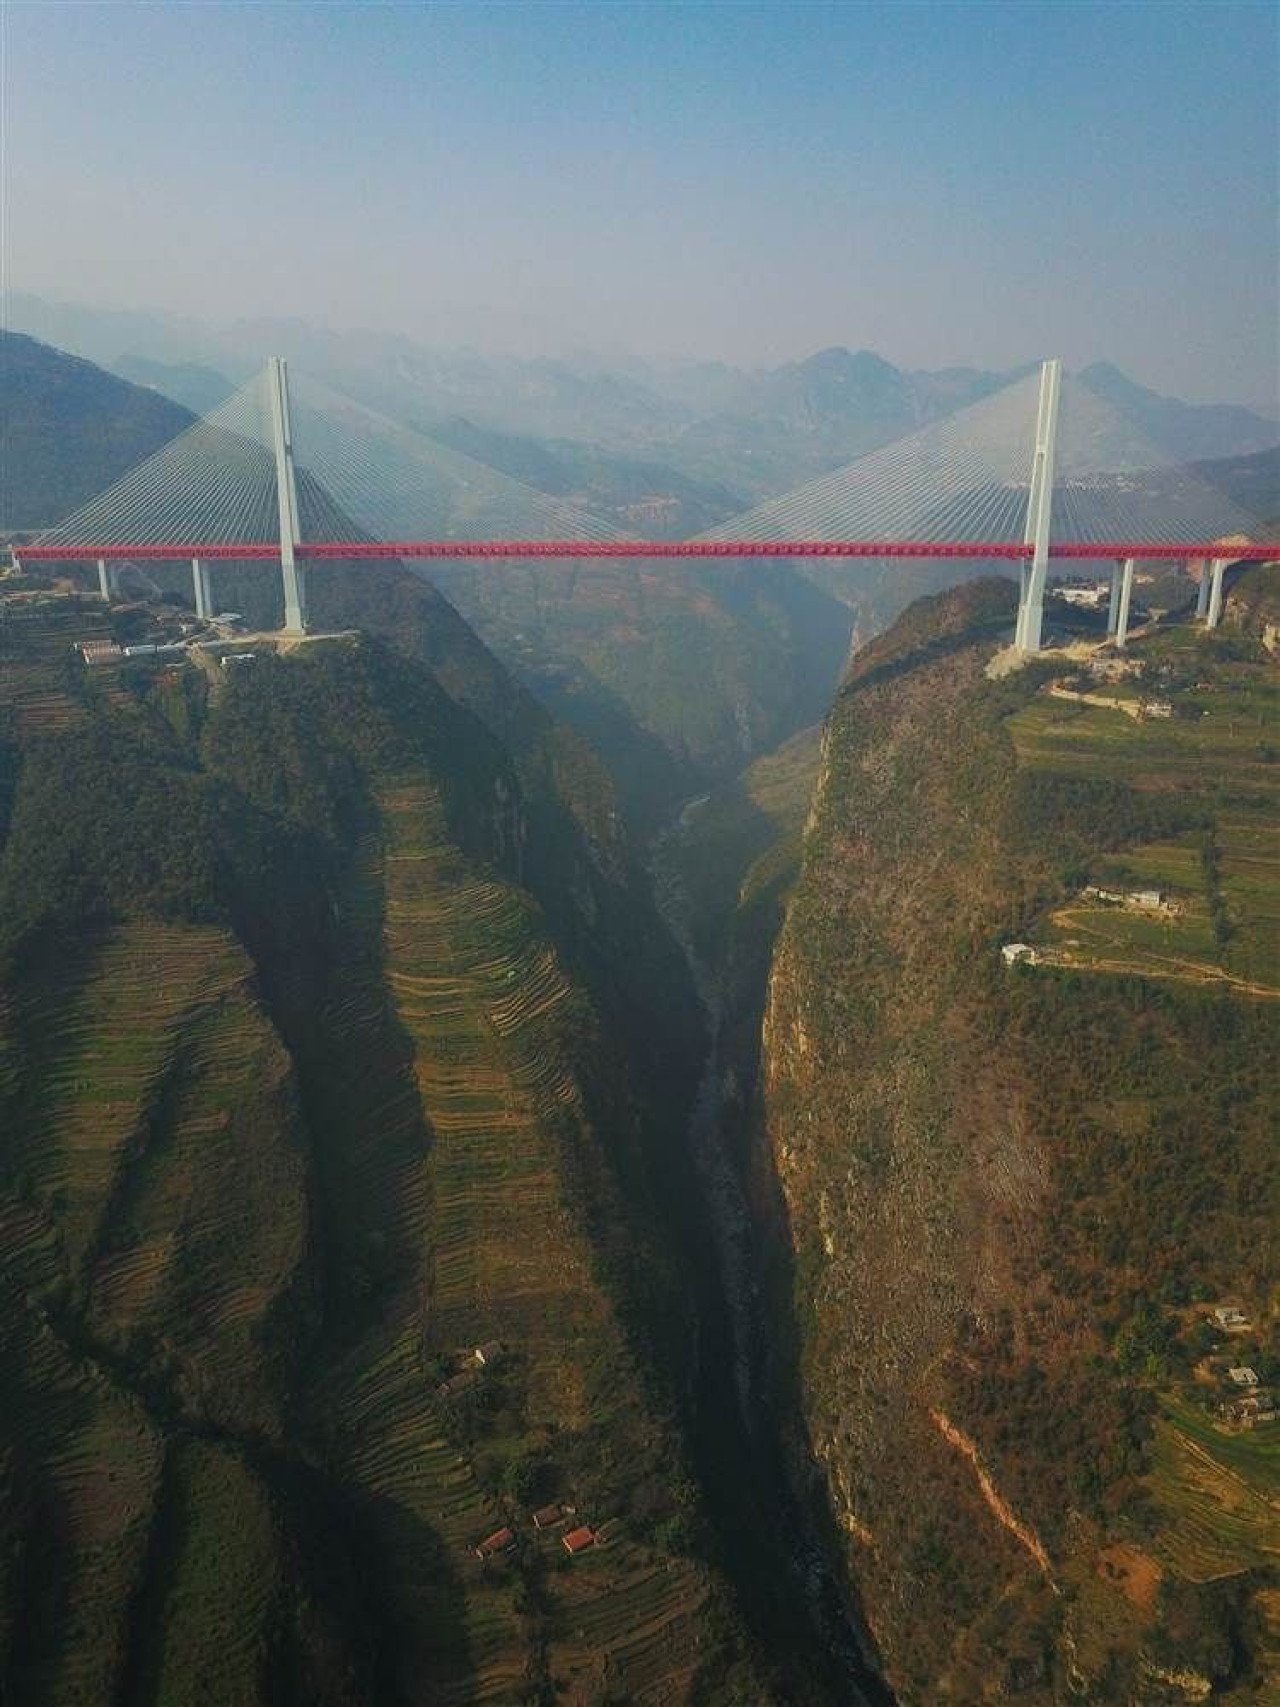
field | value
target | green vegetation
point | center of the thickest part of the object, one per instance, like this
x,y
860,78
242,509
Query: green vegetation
x,y
1013,1193
67,430
313,1079
678,673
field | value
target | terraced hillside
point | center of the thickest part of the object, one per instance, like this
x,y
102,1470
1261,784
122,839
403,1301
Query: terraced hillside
x,y
492,1224
1023,1214
40,681
1201,715
329,1213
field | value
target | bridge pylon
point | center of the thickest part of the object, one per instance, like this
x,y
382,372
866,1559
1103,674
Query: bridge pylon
x,y
1035,573
295,592
1121,635
1213,614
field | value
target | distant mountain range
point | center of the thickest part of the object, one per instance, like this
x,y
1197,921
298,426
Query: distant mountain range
x,y
676,672
1187,431
707,436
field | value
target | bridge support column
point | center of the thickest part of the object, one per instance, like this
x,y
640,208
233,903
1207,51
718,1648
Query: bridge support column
x,y
1214,612
1113,603
1202,595
291,572
1126,594
104,580
1039,512
200,587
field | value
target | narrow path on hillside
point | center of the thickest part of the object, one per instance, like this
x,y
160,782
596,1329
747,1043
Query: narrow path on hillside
x,y
1152,965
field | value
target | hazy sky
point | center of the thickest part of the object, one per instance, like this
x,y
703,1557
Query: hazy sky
x,y
943,183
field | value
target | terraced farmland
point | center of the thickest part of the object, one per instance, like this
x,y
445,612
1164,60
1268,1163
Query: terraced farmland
x,y
462,1133
1220,751
85,1470
300,1107
35,653
1220,1496
155,1118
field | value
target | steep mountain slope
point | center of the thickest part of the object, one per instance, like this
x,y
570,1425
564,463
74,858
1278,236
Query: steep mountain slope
x,y
678,674
647,498
1253,481
1187,431
317,1074
806,417
1002,1201
67,429
197,388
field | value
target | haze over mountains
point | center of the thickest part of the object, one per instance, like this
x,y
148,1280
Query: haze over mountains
x,y
711,436
678,673
385,1211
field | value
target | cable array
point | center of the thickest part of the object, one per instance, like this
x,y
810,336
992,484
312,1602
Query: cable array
x,y
215,482
395,483
362,477
967,478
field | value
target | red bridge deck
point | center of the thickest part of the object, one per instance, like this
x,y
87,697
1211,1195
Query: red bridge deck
x,y
1009,550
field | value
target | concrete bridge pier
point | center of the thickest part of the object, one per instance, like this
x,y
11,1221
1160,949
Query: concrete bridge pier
x,y
1214,613
1113,603
104,580
1126,595
201,587
1202,595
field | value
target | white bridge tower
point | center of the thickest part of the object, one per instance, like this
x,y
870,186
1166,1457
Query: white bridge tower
x,y
295,591
1035,573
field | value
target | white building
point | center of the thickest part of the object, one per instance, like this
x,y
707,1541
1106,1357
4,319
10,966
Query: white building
x,y
1019,951
1231,1319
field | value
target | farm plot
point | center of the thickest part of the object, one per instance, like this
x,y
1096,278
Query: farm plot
x,y
1221,753
1220,1496
1250,877
1229,748
454,1621
224,1582
206,1243
477,988
464,1018
99,1039
626,1618
36,658
86,1468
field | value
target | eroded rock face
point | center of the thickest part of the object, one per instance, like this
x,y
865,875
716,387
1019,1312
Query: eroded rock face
x,y
932,1125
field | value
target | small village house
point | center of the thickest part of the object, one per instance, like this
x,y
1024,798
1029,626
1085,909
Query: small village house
x,y
1231,1319
1014,952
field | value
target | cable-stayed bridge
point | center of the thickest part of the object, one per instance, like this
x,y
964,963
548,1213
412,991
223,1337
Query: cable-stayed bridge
x,y
1042,469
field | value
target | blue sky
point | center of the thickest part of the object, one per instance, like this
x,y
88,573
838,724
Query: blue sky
x,y
944,183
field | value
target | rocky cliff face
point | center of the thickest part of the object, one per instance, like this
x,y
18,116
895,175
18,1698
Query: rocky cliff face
x,y
1001,1198
1252,604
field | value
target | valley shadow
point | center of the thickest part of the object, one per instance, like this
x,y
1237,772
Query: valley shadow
x,y
835,1597
318,944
